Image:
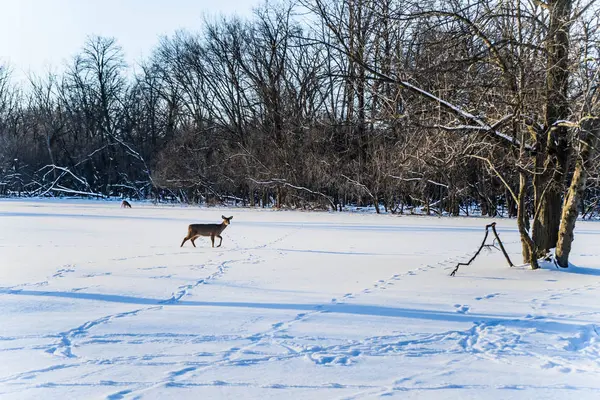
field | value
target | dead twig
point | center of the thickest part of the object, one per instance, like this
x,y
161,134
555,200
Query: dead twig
x,y
497,239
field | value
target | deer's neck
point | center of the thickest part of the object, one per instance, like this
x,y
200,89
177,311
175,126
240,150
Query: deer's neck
x,y
222,227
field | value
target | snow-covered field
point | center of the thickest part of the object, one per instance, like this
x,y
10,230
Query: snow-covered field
x,y
101,302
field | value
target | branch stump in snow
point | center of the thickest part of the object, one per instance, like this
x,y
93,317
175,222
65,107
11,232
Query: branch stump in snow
x,y
489,246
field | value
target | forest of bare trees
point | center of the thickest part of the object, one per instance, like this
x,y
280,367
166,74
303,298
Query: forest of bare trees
x,y
445,107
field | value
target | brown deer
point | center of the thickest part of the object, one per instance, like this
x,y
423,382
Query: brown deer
x,y
125,204
212,230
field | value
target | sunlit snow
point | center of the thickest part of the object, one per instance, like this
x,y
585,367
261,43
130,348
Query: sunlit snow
x,y
97,301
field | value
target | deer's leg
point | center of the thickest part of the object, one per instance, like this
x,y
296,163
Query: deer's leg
x,y
184,240
193,240
212,239
220,237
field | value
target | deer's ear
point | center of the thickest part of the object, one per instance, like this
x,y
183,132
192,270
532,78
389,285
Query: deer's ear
x,y
224,217
230,217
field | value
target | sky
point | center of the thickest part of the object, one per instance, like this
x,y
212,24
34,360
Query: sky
x,y
39,35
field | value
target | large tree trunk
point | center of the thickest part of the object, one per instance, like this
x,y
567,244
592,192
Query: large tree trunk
x,y
546,225
589,140
527,245
550,185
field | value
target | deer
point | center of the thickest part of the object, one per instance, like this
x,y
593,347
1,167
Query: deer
x,y
212,230
125,204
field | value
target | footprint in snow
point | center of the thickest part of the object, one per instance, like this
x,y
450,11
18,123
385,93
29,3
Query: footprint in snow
x,y
93,275
461,309
530,316
151,268
118,395
558,367
61,272
180,372
327,359
488,296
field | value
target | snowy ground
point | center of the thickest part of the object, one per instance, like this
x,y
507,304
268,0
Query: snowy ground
x,y
101,302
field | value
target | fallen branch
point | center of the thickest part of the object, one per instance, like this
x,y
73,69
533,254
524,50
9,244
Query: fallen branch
x,y
63,189
487,231
284,183
417,179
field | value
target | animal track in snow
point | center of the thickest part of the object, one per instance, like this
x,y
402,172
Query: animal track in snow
x,y
61,272
488,296
119,395
151,268
461,309
222,267
65,343
95,274
161,277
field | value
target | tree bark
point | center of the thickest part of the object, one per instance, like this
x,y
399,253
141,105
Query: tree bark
x,y
555,144
589,140
527,244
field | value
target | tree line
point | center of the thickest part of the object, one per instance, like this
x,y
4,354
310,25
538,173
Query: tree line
x,y
446,107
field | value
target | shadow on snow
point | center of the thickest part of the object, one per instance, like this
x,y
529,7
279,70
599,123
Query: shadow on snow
x,y
541,324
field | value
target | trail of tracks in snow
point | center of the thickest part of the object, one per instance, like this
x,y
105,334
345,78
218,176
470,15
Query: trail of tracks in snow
x,y
491,339
494,339
335,354
66,340
65,344
223,266
183,290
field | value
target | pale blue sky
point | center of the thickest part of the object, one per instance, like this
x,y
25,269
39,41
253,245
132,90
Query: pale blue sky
x,y
37,34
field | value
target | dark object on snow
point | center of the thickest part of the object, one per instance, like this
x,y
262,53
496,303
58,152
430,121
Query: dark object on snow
x,y
493,245
125,204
